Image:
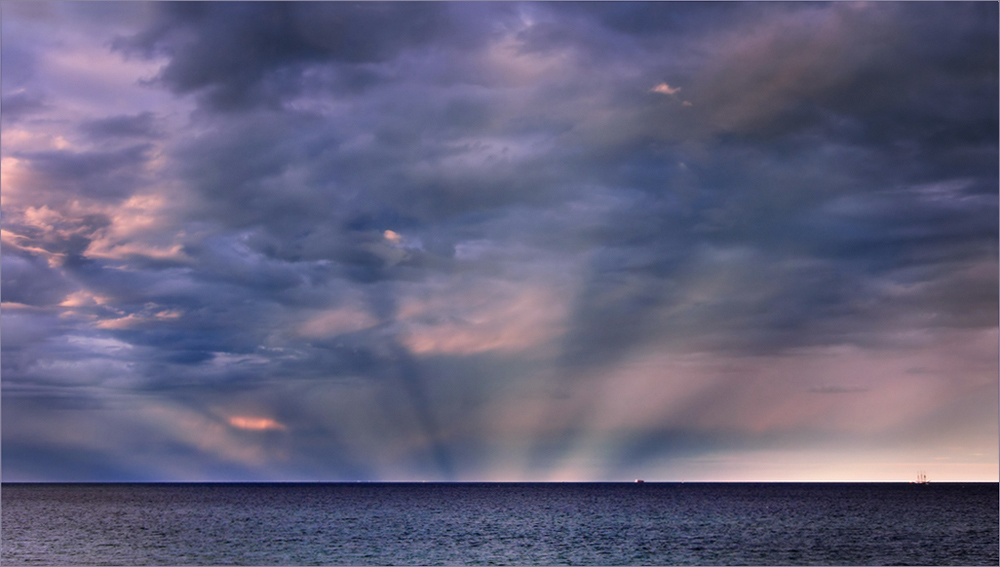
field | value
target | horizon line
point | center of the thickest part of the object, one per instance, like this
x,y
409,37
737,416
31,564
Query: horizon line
x,y
637,481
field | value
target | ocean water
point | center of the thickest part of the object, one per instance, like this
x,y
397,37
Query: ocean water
x,y
500,524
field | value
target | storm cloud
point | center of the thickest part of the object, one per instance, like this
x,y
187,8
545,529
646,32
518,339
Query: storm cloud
x,y
499,241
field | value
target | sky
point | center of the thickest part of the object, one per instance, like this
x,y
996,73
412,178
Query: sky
x,y
499,241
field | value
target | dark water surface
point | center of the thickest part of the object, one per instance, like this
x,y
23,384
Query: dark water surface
x,y
500,524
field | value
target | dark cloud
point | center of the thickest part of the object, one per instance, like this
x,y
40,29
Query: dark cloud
x,y
18,64
659,20
17,106
252,53
32,282
803,69
95,174
140,125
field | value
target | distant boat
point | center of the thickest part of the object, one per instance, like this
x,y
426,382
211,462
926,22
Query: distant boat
x,y
921,478
639,481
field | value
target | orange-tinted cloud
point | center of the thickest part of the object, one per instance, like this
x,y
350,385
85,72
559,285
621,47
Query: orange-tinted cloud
x,y
256,423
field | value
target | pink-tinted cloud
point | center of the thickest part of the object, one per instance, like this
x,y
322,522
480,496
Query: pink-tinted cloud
x,y
256,423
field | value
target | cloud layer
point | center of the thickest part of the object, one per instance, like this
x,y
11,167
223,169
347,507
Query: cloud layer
x,y
499,241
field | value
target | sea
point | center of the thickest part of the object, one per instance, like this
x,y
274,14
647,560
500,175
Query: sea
x,y
500,524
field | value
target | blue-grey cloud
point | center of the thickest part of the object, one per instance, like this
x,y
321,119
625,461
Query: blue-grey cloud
x,y
140,125
19,105
394,240
258,53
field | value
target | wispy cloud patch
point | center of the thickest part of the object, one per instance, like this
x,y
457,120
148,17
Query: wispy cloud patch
x,y
664,88
256,423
